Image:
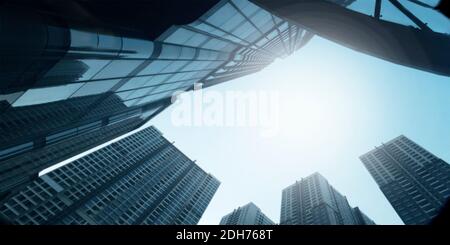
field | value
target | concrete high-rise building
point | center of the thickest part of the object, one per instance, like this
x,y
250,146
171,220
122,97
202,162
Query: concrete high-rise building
x,y
44,147
140,179
77,71
248,214
361,218
415,182
313,201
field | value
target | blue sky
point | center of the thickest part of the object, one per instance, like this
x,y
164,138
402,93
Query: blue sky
x,y
335,105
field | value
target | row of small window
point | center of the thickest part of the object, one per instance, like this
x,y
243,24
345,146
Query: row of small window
x,y
114,200
95,179
184,190
132,156
74,219
147,138
32,215
138,149
79,170
404,151
88,164
11,151
166,213
186,187
91,162
131,179
192,212
145,200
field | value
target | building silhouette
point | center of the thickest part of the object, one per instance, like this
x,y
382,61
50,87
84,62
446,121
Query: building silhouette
x,y
38,136
415,182
140,179
248,214
313,201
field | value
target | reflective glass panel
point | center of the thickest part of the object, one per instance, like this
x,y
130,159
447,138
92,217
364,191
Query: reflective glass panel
x,y
155,80
81,39
175,66
109,43
133,83
96,87
140,92
118,68
179,36
196,40
155,67
222,15
45,95
135,48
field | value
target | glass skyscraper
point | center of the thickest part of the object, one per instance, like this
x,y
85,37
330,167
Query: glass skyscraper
x,y
313,201
141,179
74,78
248,214
415,182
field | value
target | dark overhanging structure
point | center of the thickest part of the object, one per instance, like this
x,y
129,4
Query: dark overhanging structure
x,y
133,18
421,49
25,53
444,7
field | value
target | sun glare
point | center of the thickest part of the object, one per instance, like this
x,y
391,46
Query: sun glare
x,y
317,101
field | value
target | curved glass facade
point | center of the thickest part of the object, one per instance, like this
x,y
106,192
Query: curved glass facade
x,y
94,78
